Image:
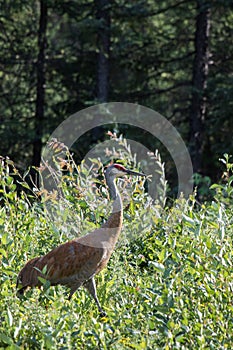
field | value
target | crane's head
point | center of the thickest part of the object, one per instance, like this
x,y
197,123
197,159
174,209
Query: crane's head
x,y
117,170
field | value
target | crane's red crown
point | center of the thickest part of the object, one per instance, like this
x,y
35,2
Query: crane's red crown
x,y
119,167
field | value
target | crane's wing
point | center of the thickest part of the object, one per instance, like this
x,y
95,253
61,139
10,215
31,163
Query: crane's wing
x,y
72,262
69,264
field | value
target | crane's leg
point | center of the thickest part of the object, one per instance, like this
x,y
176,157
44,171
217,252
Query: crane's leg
x,y
73,289
91,287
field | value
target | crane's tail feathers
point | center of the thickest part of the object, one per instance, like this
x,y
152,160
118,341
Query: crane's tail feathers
x,y
28,276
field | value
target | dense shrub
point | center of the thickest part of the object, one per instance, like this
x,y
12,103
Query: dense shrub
x,y
168,284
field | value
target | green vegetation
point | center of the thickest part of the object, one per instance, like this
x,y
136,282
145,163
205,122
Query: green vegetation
x,y
59,57
168,284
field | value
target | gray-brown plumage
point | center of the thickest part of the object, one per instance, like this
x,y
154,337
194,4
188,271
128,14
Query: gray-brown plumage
x,y
76,262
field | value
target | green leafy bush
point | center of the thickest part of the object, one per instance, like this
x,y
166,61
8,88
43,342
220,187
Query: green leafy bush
x,y
168,284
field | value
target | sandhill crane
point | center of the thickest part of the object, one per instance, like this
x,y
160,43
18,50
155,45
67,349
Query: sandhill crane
x,y
76,262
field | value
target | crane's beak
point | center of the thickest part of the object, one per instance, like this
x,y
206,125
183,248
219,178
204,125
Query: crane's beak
x,y
131,172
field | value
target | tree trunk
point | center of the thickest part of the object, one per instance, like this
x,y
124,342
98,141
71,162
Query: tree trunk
x,y
199,82
103,16
40,92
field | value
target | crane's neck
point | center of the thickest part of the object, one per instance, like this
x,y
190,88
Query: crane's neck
x,y
114,195
106,236
114,222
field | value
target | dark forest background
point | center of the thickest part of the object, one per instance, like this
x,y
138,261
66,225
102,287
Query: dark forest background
x,y
58,57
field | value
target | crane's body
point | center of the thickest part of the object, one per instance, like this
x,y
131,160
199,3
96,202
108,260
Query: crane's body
x,y
76,262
